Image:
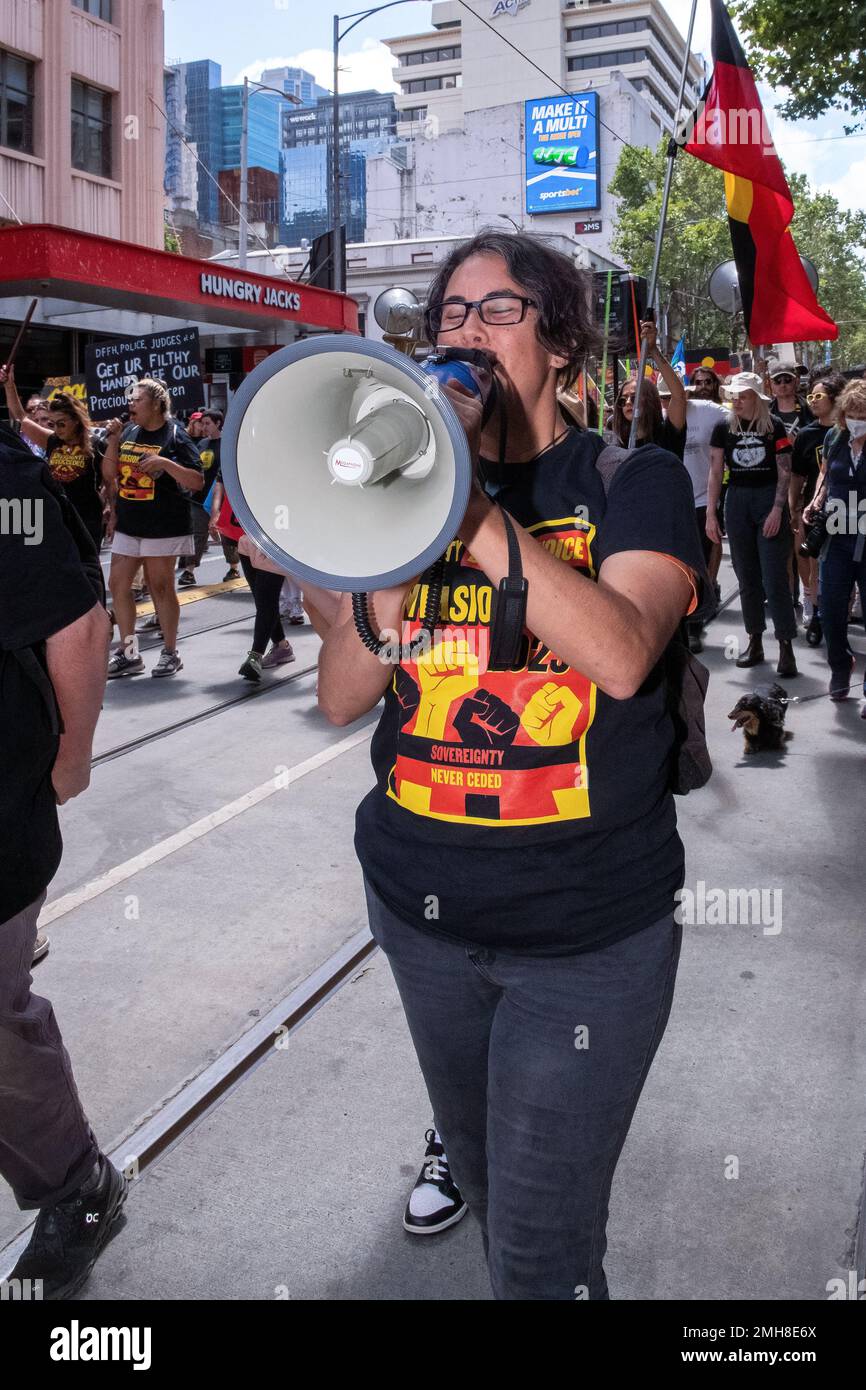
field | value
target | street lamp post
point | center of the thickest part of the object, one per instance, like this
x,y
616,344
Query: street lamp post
x,y
243,196
358,17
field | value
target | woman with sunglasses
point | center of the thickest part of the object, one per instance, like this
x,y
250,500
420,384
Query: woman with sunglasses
x,y
667,430
73,449
519,848
825,388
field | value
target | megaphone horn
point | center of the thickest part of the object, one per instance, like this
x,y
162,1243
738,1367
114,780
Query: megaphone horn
x,y
342,464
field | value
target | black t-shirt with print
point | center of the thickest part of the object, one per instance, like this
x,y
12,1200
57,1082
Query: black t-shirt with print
x,y
807,454
526,810
796,419
209,463
154,508
45,585
749,456
80,477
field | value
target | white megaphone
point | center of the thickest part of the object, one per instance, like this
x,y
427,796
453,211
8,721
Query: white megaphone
x,y
345,464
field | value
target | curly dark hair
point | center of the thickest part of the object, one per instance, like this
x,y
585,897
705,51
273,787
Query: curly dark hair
x,y
562,294
835,382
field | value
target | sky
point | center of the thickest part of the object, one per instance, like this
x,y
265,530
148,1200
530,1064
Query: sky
x,y
272,33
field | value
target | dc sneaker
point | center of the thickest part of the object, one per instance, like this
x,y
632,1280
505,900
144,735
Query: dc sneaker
x,y
251,669
435,1203
69,1237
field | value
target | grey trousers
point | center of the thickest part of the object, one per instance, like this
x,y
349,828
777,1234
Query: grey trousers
x,y
761,565
47,1148
532,1116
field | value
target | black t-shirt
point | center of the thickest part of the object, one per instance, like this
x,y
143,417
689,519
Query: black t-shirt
x,y
209,463
751,457
525,809
44,586
807,454
665,435
154,507
671,437
794,420
79,476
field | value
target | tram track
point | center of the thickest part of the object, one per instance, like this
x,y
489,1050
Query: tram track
x,y
255,693
132,744
172,1120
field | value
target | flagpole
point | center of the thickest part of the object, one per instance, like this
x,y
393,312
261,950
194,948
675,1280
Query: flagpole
x,y
673,148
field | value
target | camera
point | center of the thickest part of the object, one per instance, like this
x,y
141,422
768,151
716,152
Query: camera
x,y
816,534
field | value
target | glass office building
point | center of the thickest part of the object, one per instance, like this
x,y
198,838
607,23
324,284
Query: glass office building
x,y
306,180
368,123
263,128
296,82
200,81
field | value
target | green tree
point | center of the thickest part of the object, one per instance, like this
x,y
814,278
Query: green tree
x,y
698,238
813,48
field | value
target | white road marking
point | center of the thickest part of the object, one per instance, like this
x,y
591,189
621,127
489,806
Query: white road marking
x,y
79,896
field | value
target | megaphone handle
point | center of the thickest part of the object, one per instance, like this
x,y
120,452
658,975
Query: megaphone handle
x,y
433,578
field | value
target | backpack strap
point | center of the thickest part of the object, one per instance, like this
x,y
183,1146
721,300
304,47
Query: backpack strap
x,y
610,461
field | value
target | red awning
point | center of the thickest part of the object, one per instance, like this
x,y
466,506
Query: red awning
x,y
40,260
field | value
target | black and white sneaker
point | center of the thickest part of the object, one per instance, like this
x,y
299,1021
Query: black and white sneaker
x,y
435,1203
123,665
168,665
69,1237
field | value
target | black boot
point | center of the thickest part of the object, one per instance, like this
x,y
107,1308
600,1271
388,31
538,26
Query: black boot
x,y
787,662
754,653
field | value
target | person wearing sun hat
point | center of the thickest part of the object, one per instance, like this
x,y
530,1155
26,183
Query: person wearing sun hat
x,y
757,450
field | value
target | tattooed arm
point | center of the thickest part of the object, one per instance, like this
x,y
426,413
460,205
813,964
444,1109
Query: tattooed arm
x,y
783,484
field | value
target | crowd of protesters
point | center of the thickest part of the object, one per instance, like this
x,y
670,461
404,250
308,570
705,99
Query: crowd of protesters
x,y
775,460
775,464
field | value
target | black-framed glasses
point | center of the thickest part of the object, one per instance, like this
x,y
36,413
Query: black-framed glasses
x,y
784,380
497,310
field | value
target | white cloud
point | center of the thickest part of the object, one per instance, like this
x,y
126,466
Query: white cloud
x,y
368,67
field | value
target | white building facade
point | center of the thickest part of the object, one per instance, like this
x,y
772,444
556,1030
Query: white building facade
x,y
461,108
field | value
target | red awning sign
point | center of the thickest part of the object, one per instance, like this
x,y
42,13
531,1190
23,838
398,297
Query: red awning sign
x,y
44,260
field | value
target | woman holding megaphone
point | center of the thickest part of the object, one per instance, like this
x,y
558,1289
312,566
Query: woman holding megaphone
x,y
520,850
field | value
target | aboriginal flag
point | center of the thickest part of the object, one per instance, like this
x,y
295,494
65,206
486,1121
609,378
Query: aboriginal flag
x,y
731,132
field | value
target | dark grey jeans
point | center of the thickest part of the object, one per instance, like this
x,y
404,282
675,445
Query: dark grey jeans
x,y
761,565
47,1148
534,1066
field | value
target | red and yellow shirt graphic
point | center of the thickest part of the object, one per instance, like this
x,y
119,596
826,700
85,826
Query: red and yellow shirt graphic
x,y
132,485
484,747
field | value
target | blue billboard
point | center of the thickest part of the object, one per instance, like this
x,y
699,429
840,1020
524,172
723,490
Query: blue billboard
x,y
562,158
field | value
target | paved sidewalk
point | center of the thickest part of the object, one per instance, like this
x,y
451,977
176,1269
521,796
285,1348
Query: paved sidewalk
x,y
743,1172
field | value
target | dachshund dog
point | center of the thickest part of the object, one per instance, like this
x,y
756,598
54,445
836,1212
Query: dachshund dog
x,y
761,716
